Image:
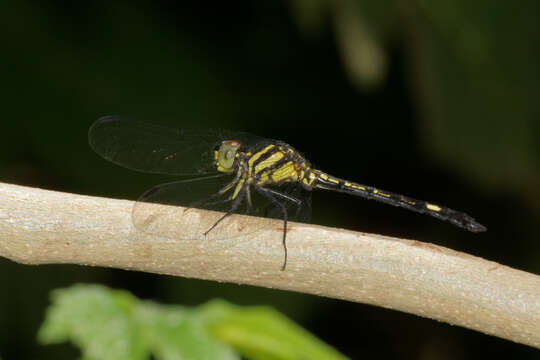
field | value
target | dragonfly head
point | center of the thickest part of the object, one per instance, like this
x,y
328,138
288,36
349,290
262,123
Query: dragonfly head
x,y
225,155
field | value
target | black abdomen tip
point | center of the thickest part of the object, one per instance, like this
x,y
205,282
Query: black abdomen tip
x,y
475,227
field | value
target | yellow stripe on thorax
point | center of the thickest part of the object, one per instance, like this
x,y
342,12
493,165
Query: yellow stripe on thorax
x,y
258,154
271,160
286,171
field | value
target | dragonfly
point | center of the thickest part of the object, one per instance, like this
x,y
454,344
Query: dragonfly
x,y
231,173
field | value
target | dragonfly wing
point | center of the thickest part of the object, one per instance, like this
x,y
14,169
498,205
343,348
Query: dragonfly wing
x,y
172,210
159,149
291,197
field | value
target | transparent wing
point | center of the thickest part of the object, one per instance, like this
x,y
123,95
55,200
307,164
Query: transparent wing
x,y
160,149
289,196
157,211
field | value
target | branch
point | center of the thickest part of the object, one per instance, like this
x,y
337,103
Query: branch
x,y
40,227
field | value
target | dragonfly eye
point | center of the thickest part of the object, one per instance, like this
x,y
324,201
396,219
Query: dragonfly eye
x,y
226,155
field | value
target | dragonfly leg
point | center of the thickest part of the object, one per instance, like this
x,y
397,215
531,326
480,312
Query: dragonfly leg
x,y
221,191
290,198
249,204
269,194
236,203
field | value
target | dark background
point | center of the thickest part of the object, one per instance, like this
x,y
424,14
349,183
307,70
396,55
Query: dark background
x,y
439,102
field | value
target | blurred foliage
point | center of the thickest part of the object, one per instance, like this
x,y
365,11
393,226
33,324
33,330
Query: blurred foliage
x,y
112,324
436,100
471,67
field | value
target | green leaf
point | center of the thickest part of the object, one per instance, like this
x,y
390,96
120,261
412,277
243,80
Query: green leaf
x,y
174,333
111,324
98,321
262,333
